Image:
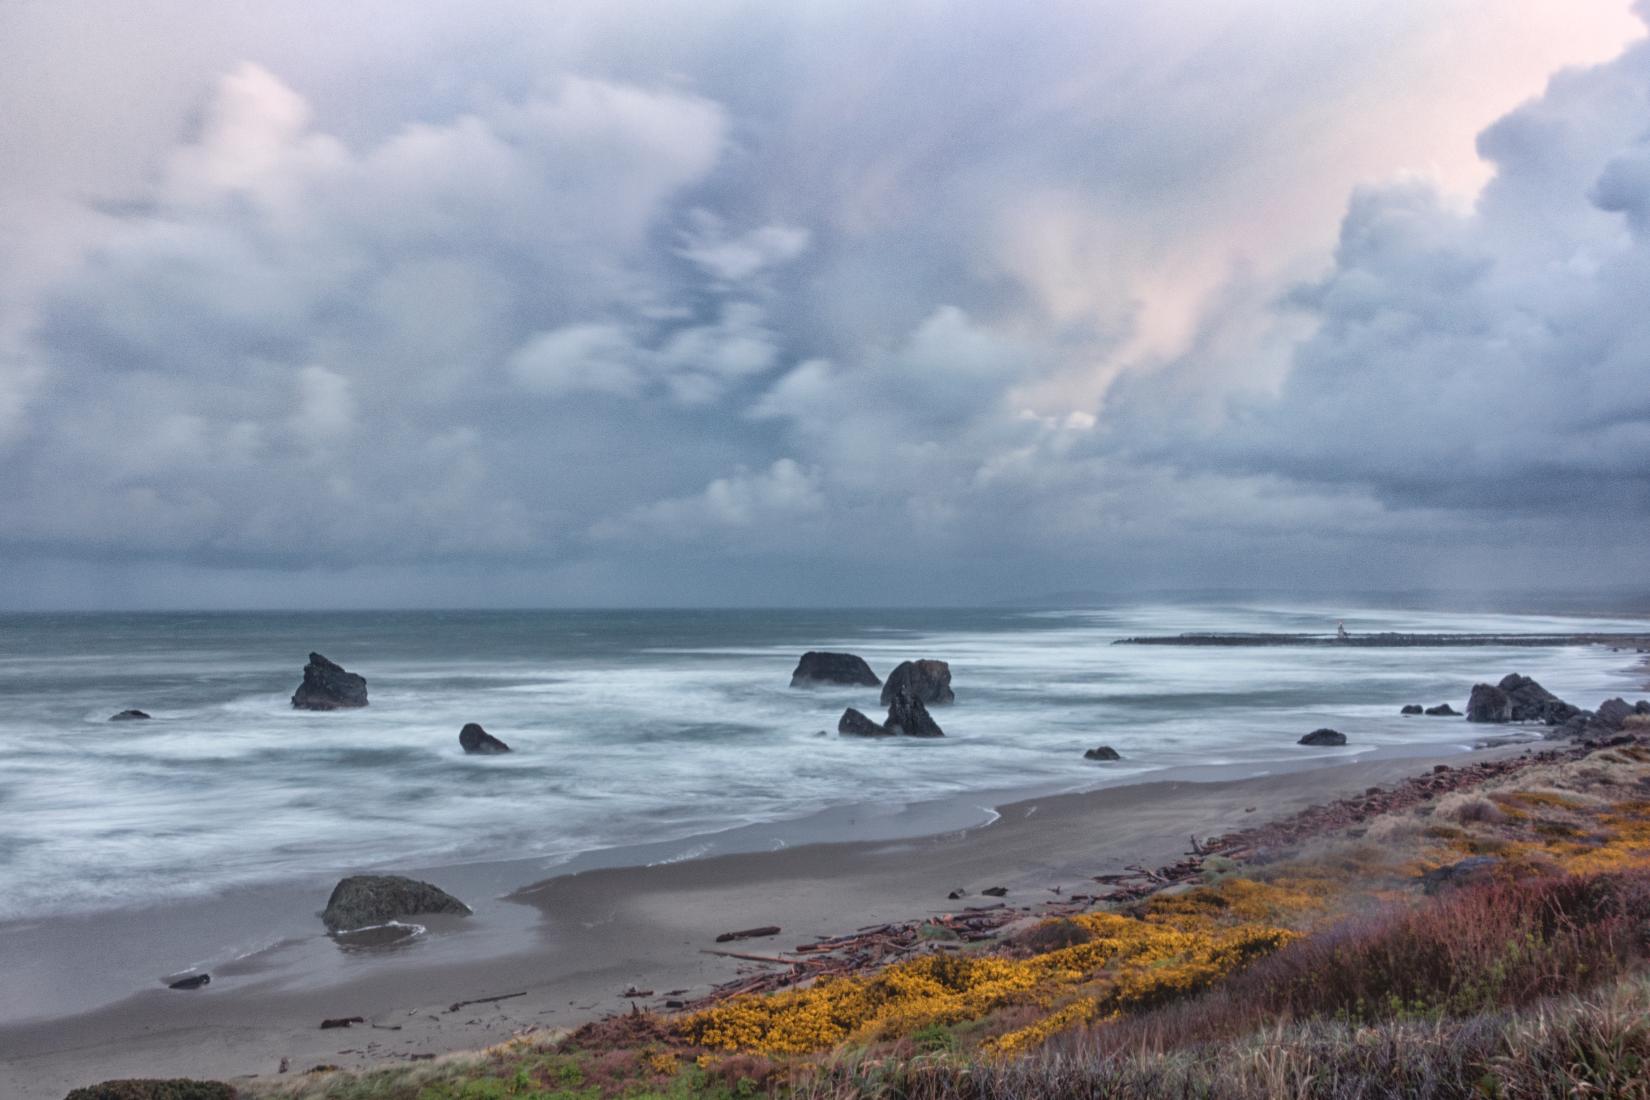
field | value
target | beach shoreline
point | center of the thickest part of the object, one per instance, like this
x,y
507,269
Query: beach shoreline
x,y
571,945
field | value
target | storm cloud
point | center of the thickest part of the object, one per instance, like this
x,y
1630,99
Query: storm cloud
x,y
740,303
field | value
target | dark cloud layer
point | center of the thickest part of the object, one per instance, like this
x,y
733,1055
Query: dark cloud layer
x,y
749,304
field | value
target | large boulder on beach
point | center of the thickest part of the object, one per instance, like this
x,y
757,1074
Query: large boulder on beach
x,y
1321,737
854,724
129,716
929,681
477,741
1488,703
1518,699
327,686
833,668
908,716
364,900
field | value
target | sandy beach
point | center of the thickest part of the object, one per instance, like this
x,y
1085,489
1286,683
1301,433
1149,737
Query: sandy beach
x,y
576,943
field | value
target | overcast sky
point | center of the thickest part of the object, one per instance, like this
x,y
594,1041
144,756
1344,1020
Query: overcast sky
x,y
397,304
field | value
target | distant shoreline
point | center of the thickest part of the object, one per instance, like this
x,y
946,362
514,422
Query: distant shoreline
x,y
1389,640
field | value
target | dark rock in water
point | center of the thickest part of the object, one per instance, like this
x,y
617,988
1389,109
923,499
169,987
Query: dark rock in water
x,y
1642,707
1533,703
1473,869
327,686
476,740
929,681
149,1088
1413,708
908,716
995,891
193,981
1612,714
854,724
1323,737
1488,703
1104,752
128,716
362,900
833,668
1443,710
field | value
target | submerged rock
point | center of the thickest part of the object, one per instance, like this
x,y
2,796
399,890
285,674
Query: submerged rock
x,y
929,681
1443,710
1413,708
327,686
478,741
363,900
193,981
1324,736
128,716
854,724
1103,752
907,715
833,668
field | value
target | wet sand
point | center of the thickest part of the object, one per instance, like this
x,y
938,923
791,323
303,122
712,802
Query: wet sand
x,y
575,943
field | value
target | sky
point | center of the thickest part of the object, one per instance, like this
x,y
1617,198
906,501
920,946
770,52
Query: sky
x,y
632,302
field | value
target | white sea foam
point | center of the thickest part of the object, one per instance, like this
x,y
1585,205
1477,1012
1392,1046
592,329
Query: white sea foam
x,y
632,728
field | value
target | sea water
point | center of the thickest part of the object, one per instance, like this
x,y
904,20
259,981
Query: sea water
x,y
632,728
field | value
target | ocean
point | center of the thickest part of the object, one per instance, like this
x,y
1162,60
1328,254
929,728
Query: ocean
x,y
654,728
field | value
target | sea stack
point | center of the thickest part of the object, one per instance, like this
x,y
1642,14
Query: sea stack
x,y
833,668
907,715
929,681
476,741
327,686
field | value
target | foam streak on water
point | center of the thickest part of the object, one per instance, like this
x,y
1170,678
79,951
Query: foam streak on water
x,y
635,726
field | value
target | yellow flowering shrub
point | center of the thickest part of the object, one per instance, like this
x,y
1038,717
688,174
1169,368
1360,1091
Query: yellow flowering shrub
x,y
1130,961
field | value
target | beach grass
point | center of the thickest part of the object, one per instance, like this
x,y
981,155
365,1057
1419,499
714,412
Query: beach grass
x,y
1325,968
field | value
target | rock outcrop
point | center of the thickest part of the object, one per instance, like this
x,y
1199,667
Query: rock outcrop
x,y
327,686
1323,737
128,716
929,681
364,900
833,668
1102,752
473,739
908,716
1412,708
854,724
1612,714
1518,699
1443,710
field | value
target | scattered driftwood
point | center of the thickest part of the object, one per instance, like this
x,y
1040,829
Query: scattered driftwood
x,y
867,949
632,991
747,958
456,1005
341,1021
749,933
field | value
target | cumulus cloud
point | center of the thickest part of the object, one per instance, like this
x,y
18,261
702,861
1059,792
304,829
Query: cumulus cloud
x,y
1487,358
946,294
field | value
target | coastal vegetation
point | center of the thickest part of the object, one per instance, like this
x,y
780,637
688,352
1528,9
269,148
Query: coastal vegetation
x,y
1489,941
